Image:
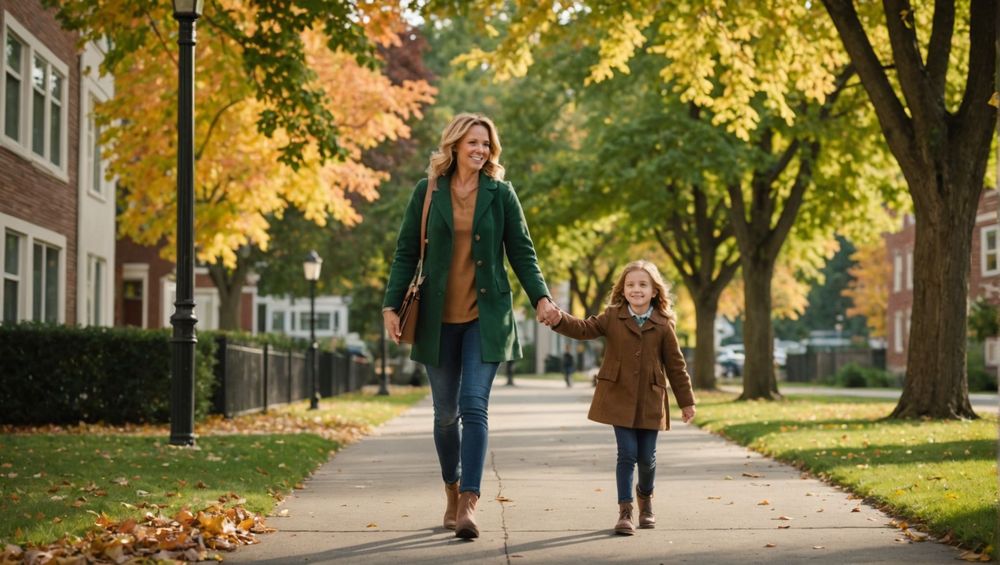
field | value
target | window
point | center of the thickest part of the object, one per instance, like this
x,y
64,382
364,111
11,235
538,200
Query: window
x,y
95,172
897,272
34,98
14,69
278,321
323,321
989,263
897,332
45,284
11,277
96,273
909,269
336,321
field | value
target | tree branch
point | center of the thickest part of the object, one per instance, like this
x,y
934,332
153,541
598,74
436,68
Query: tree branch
x,y
939,49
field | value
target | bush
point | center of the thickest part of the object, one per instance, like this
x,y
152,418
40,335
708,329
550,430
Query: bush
x,y
853,375
526,364
981,378
64,374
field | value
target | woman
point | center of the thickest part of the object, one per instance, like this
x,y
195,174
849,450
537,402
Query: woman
x,y
466,324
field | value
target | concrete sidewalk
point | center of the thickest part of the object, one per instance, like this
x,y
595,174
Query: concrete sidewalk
x,y
548,496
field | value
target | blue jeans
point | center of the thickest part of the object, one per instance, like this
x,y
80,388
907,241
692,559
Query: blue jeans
x,y
460,388
635,446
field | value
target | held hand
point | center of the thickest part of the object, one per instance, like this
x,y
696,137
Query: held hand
x,y
687,413
547,312
391,321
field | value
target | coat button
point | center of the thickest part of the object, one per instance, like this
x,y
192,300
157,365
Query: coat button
x,y
479,263
482,291
477,237
426,240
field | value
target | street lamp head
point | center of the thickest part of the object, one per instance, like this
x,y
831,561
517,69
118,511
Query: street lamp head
x,y
311,266
188,8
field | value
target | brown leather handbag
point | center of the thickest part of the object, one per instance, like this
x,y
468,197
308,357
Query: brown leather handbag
x,y
409,310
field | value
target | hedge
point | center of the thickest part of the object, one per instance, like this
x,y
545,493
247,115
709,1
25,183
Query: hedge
x,y
64,374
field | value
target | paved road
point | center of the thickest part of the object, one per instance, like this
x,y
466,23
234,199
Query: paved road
x,y
549,497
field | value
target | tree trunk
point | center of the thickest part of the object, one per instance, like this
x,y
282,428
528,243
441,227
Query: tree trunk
x,y
229,284
936,384
759,381
705,310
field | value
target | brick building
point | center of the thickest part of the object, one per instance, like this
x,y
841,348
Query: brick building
x,y
984,277
146,291
56,208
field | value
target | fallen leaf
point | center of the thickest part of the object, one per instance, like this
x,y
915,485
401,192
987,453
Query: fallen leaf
x,y
782,518
283,513
764,502
770,545
784,526
819,547
753,475
501,498
715,498
371,525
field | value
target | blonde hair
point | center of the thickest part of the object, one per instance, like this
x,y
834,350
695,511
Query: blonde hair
x,y
443,158
661,302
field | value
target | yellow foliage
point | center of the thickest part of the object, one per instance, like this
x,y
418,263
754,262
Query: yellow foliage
x,y
238,178
869,289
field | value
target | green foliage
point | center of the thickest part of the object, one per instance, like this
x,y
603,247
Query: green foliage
x,y
853,375
272,51
984,320
65,375
981,378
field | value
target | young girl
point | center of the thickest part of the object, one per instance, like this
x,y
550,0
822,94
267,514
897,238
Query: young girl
x,y
641,354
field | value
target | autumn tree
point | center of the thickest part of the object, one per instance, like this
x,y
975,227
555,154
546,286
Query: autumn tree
x,y
261,147
928,70
778,97
868,288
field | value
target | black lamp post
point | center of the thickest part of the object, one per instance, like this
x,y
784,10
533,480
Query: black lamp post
x,y
183,319
311,267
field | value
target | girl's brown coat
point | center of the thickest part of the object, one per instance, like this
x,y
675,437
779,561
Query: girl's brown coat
x,y
638,363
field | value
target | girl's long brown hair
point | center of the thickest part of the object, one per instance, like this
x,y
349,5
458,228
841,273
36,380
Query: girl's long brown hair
x,y
661,302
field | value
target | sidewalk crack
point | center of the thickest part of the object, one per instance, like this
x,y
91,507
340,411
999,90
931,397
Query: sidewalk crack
x,y
503,506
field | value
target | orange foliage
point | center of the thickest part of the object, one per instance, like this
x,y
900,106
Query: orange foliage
x,y
869,288
239,179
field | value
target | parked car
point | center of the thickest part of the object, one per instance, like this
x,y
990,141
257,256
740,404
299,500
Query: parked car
x,y
730,360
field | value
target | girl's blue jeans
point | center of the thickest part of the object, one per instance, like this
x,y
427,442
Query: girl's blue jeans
x,y
460,388
635,446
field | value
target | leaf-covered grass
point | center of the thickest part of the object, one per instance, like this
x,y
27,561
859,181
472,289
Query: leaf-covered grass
x,y
942,474
57,481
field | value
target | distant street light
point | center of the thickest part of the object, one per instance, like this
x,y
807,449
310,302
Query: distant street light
x,y
311,268
183,319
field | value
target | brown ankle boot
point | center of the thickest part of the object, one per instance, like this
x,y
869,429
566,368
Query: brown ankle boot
x,y
450,511
465,526
624,525
646,517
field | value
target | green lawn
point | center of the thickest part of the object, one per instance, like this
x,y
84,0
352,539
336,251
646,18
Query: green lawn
x,y
52,484
939,474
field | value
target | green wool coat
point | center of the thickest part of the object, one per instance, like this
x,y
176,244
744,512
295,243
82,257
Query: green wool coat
x,y
498,225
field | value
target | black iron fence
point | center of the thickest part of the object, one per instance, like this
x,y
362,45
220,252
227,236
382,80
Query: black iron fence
x,y
813,365
251,379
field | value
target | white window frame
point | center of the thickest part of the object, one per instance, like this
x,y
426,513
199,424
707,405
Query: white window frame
x,y
992,353
985,253
90,143
139,271
97,283
23,147
897,331
18,277
897,272
909,270
206,305
32,235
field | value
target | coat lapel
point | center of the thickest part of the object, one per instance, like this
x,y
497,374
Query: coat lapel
x,y
628,320
487,189
441,200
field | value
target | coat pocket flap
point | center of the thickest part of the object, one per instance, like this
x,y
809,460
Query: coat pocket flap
x,y
609,371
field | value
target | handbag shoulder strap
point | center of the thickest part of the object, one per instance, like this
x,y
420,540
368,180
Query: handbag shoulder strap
x,y
431,182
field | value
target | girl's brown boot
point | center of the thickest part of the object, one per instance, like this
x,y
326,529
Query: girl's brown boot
x,y
625,526
451,511
465,526
646,517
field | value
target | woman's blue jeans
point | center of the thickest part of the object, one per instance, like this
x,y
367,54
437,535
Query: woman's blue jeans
x,y
460,387
635,446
